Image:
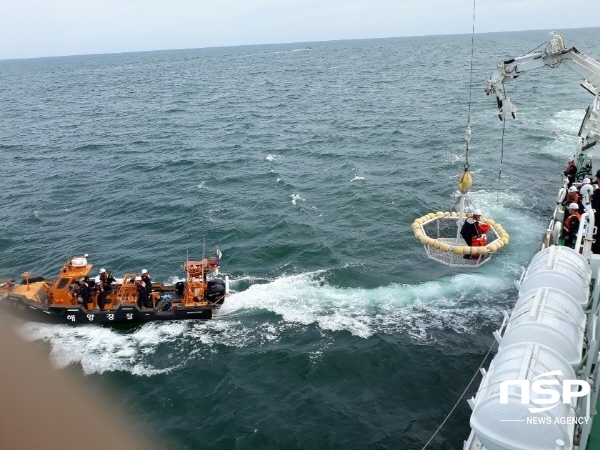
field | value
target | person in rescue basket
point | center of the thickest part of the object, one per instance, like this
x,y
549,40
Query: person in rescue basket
x,y
469,229
473,232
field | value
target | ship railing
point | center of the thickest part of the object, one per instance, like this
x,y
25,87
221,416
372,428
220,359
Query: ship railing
x,y
562,193
589,359
595,293
583,225
552,233
585,234
498,333
588,403
590,362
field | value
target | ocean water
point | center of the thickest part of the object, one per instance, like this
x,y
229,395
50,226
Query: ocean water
x,y
306,167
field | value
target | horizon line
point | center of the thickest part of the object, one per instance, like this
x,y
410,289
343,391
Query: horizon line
x,y
278,43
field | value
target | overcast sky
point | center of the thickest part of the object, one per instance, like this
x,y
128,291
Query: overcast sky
x,y
34,28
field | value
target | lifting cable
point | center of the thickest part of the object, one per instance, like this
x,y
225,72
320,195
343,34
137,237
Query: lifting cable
x,y
502,146
468,136
501,159
461,395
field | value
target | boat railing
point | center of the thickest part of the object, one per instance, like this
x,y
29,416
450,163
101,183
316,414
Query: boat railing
x,y
126,292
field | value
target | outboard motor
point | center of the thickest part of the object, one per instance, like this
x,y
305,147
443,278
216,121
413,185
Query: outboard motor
x,y
164,304
215,291
179,287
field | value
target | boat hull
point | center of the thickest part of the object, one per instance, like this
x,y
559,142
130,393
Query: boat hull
x,y
77,315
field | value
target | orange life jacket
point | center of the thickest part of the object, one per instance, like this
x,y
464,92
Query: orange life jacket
x,y
568,220
479,241
483,228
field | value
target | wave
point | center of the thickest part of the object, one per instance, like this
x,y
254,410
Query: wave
x,y
262,311
291,303
100,350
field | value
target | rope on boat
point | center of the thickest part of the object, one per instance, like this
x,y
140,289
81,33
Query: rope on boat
x,y
461,396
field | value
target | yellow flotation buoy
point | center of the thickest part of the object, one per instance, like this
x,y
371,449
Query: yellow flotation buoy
x,y
465,182
440,232
445,247
459,249
492,247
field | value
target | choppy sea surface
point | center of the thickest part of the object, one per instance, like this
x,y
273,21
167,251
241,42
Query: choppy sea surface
x,y
306,166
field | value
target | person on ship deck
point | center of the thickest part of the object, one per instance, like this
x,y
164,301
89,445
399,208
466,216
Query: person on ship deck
x,y
571,171
571,197
571,225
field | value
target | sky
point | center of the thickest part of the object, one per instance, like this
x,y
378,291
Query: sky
x,y
37,28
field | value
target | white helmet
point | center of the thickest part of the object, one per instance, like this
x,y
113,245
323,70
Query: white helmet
x,y
144,271
102,270
572,189
476,212
138,278
574,206
586,180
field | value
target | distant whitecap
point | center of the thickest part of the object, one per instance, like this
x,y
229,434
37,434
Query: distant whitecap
x,y
295,198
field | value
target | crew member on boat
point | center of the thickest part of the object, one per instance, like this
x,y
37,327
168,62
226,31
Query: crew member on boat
x,y
84,292
571,225
140,287
148,283
103,289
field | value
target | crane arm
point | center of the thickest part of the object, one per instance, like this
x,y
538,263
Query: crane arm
x,y
554,54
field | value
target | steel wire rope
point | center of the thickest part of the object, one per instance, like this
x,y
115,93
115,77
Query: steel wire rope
x,y
461,396
501,159
470,92
468,138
